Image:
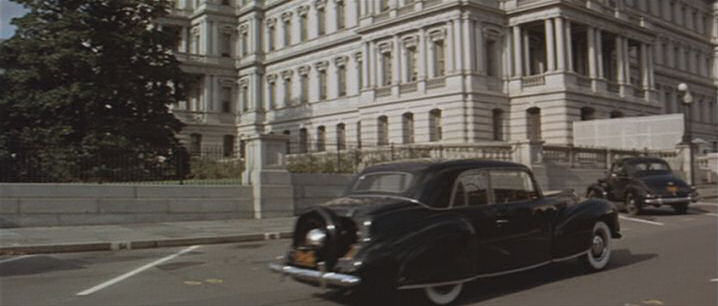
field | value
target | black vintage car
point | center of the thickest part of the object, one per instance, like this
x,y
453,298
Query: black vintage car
x,y
433,226
640,181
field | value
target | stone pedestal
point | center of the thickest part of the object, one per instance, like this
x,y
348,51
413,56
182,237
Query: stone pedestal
x,y
267,173
684,156
528,152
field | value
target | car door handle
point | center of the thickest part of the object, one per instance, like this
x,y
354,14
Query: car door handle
x,y
502,221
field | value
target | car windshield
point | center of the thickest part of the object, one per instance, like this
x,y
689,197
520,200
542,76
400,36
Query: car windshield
x,y
383,182
649,168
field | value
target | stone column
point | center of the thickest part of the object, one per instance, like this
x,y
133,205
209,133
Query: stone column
x,y
560,44
365,65
431,69
550,50
599,54
518,57
569,46
459,64
645,81
396,66
619,61
449,58
480,48
592,54
469,45
651,71
331,17
266,172
373,70
205,38
421,48
526,52
507,53
208,91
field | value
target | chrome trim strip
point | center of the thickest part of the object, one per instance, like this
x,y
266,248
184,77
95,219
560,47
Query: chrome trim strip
x,y
328,278
667,200
492,274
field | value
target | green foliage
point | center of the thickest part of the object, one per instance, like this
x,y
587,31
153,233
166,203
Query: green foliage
x,y
207,168
330,162
88,79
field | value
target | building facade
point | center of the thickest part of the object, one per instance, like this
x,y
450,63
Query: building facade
x,y
375,72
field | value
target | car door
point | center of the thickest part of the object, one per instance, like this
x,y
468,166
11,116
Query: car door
x,y
617,181
471,199
523,219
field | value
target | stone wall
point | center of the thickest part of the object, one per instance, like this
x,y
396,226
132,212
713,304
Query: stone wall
x,y
311,189
85,204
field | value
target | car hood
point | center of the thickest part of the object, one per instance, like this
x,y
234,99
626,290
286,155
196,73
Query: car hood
x,y
366,206
661,181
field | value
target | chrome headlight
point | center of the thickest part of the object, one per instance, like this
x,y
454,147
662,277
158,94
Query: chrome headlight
x,y
316,237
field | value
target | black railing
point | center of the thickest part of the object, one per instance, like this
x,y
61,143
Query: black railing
x,y
207,165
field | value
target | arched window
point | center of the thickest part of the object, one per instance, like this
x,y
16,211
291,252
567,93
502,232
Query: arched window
x,y
303,140
382,131
407,127
497,116
289,141
533,123
587,113
616,114
435,132
228,146
195,143
341,136
321,139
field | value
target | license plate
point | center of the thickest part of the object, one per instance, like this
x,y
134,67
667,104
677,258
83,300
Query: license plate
x,y
305,258
672,189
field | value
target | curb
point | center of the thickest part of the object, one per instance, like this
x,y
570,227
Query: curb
x,y
139,244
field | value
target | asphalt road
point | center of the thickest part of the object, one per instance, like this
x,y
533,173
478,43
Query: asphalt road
x,y
663,259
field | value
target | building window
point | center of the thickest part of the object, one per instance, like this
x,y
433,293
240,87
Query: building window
x,y
382,131
359,134
226,46
303,140
411,60
272,95
195,144
321,139
439,58
341,137
289,141
616,114
226,99
321,21
270,38
195,44
287,32
245,44
322,84
386,68
533,123
245,98
287,91
303,27
407,127
341,23
228,146
498,122
492,63
360,74
587,113
342,80
304,82
435,132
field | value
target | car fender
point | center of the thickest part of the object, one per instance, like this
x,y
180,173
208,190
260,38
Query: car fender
x,y
574,226
598,189
442,249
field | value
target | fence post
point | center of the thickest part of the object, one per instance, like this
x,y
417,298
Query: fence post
x,y
391,145
339,160
180,171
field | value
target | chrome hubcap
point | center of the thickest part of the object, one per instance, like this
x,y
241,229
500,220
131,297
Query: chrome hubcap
x,y
598,248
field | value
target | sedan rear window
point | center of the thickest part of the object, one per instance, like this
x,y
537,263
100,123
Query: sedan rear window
x,y
385,182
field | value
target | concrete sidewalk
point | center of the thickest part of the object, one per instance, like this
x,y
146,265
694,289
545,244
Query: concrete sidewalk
x,y
30,240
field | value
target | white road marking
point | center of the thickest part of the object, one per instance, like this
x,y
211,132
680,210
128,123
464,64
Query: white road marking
x,y
711,214
134,272
15,258
715,280
640,220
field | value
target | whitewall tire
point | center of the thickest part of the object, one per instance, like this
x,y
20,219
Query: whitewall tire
x,y
599,254
443,295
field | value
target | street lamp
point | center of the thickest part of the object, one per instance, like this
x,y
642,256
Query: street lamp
x,y
687,99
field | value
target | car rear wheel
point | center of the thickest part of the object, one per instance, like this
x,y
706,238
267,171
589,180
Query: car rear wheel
x,y
443,295
631,204
681,208
599,254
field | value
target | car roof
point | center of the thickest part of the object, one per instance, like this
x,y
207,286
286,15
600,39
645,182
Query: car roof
x,y
435,165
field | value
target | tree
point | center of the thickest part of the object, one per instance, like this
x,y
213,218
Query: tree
x,y
85,90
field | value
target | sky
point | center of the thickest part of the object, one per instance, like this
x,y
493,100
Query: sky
x,y
8,11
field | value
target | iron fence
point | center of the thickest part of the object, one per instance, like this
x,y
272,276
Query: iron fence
x,y
206,165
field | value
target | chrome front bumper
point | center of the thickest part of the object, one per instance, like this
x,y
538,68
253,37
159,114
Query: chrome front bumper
x,y
668,200
322,278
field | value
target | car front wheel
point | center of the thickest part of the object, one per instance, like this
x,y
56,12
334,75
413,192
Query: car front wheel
x,y
599,254
631,204
443,295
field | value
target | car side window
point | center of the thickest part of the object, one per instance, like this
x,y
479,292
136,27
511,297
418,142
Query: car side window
x,y
512,186
471,188
618,169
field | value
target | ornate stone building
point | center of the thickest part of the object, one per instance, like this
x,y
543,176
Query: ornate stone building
x,y
373,72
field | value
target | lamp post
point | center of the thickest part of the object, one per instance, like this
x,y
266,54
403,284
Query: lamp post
x,y
687,99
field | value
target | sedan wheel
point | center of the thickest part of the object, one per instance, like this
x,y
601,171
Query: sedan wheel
x,y
599,254
443,295
632,206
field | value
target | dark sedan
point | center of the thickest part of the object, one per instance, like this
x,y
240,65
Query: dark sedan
x,y
433,226
637,182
